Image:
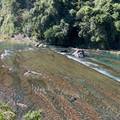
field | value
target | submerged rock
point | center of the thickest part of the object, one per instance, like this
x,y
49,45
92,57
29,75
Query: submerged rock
x,y
5,54
29,73
24,106
73,99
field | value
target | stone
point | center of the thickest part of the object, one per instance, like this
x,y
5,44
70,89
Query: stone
x,y
29,73
21,105
73,99
79,53
37,44
40,45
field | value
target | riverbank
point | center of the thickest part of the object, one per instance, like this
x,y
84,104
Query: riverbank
x,y
22,39
17,39
91,59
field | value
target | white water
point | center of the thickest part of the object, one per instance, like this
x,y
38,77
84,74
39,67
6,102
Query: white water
x,y
8,52
94,67
5,54
91,65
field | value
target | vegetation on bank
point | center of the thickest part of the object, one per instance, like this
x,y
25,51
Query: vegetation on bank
x,y
6,113
83,23
34,115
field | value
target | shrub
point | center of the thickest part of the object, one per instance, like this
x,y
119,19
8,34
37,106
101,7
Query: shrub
x,y
33,115
6,112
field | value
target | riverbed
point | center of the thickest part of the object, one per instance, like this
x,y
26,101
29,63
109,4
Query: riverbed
x,y
62,86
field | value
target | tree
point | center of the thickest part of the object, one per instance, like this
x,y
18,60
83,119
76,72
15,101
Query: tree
x,y
83,23
57,33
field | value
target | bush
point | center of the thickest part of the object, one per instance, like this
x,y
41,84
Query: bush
x,y
6,112
34,115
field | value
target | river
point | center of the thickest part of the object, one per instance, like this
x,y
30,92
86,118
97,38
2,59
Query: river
x,y
63,86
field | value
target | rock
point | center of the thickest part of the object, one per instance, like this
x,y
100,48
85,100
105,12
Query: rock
x,y
64,51
79,53
44,45
37,44
29,73
73,99
40,45
11,69
35,73
21,105
3,66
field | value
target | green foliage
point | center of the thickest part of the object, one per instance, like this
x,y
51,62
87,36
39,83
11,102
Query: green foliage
x,y
1,116
7,17
8,25
57,33
117,25
34,115
96,22
6,112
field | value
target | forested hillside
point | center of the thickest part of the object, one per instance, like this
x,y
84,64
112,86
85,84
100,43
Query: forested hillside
x,y
81,23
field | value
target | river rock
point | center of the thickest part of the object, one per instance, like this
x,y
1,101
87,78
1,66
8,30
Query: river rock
x,y
24,106
37,44
31,73
73,99
79,53
40,45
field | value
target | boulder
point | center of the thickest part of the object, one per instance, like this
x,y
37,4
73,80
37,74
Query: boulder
x,y
79,53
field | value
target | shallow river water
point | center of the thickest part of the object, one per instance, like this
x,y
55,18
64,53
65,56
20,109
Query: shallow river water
x,y
62,86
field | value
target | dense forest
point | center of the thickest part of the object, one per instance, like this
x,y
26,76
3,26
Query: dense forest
x,y
81,23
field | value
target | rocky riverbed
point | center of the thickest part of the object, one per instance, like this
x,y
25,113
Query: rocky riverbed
x,y
65,89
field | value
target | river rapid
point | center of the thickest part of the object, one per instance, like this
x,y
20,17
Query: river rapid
x,y
94,64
